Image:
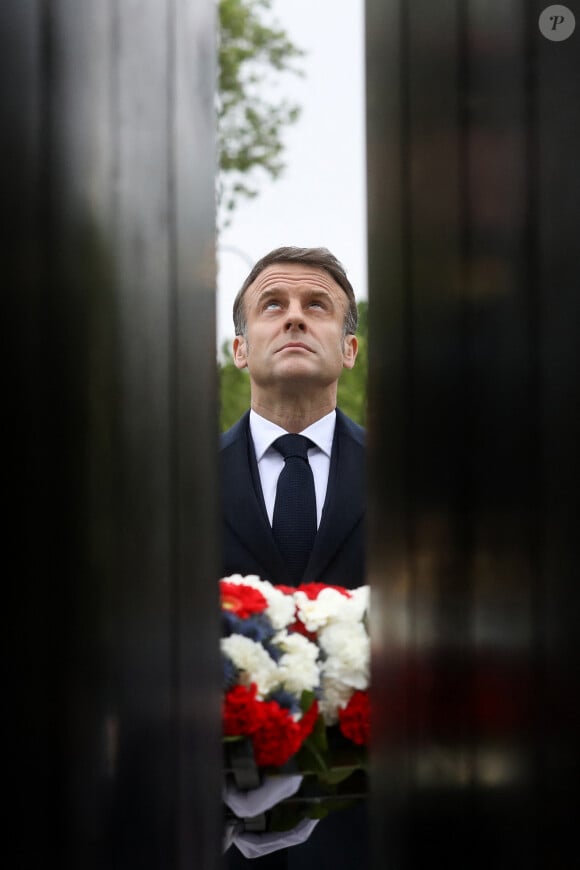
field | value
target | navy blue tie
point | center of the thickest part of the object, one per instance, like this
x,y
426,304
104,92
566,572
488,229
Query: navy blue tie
x,y
294,520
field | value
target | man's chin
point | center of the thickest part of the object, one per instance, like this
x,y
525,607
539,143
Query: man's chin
x,y
298,381
298,367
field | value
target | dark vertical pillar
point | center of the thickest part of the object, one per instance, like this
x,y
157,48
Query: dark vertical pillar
x,y
473,127
108,226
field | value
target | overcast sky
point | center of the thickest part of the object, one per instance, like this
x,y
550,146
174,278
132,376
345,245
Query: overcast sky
x,y
320,200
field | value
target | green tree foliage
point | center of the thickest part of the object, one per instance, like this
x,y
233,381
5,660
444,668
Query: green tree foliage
x,y
352,387
249,121
234,385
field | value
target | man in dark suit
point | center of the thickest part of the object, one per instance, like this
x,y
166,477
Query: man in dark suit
x,y
295,319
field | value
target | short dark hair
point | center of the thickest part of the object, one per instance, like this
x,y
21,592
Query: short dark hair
x,y
320,258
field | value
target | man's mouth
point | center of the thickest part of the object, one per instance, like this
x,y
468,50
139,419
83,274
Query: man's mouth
x,y
297,345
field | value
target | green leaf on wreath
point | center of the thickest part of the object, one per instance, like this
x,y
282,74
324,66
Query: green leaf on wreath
x,y
318,811
330,805
318,735
310,759
338,774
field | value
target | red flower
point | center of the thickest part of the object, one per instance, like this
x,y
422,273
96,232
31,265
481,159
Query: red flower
x,y
313,590
242,712
354,719
241,600
287,590
300,628
277,738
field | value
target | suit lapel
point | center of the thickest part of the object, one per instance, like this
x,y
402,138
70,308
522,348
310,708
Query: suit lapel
x,y
345,499
243,509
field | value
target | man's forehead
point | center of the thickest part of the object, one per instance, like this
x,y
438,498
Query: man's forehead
x,y
281,275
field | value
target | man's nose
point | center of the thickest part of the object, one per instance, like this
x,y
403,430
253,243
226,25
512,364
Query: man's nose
x,y
295,316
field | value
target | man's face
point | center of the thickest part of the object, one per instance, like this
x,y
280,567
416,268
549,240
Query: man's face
x,y
295,318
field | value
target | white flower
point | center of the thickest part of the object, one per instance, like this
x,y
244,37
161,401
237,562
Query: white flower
x,y
358,603
298,668
331,606
334,696
315,613
347,647
280,609
253,661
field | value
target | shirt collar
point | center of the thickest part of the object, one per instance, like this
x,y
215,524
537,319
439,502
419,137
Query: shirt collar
x,y
264,433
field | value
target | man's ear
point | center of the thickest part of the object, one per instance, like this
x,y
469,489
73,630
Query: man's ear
x,y
240,352
350,350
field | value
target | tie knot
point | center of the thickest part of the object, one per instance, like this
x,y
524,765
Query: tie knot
x,y
293,445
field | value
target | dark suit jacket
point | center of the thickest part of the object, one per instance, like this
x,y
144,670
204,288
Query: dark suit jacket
x,y
248,546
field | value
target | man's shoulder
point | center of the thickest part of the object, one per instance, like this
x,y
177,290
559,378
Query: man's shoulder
x,y
235,432
350,428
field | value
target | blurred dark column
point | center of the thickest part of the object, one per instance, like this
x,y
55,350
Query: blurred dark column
x,y
108,164
474,270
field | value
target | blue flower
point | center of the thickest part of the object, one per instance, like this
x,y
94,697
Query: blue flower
x,y
257,627
274,652
285,699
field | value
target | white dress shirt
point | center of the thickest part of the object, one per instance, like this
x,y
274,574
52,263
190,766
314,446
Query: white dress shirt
x,y
271,463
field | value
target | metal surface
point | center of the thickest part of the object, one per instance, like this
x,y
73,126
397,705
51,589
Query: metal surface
x,y
108,222
473,129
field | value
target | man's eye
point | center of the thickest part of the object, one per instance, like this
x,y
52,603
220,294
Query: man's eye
x,y
316,304
271,304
